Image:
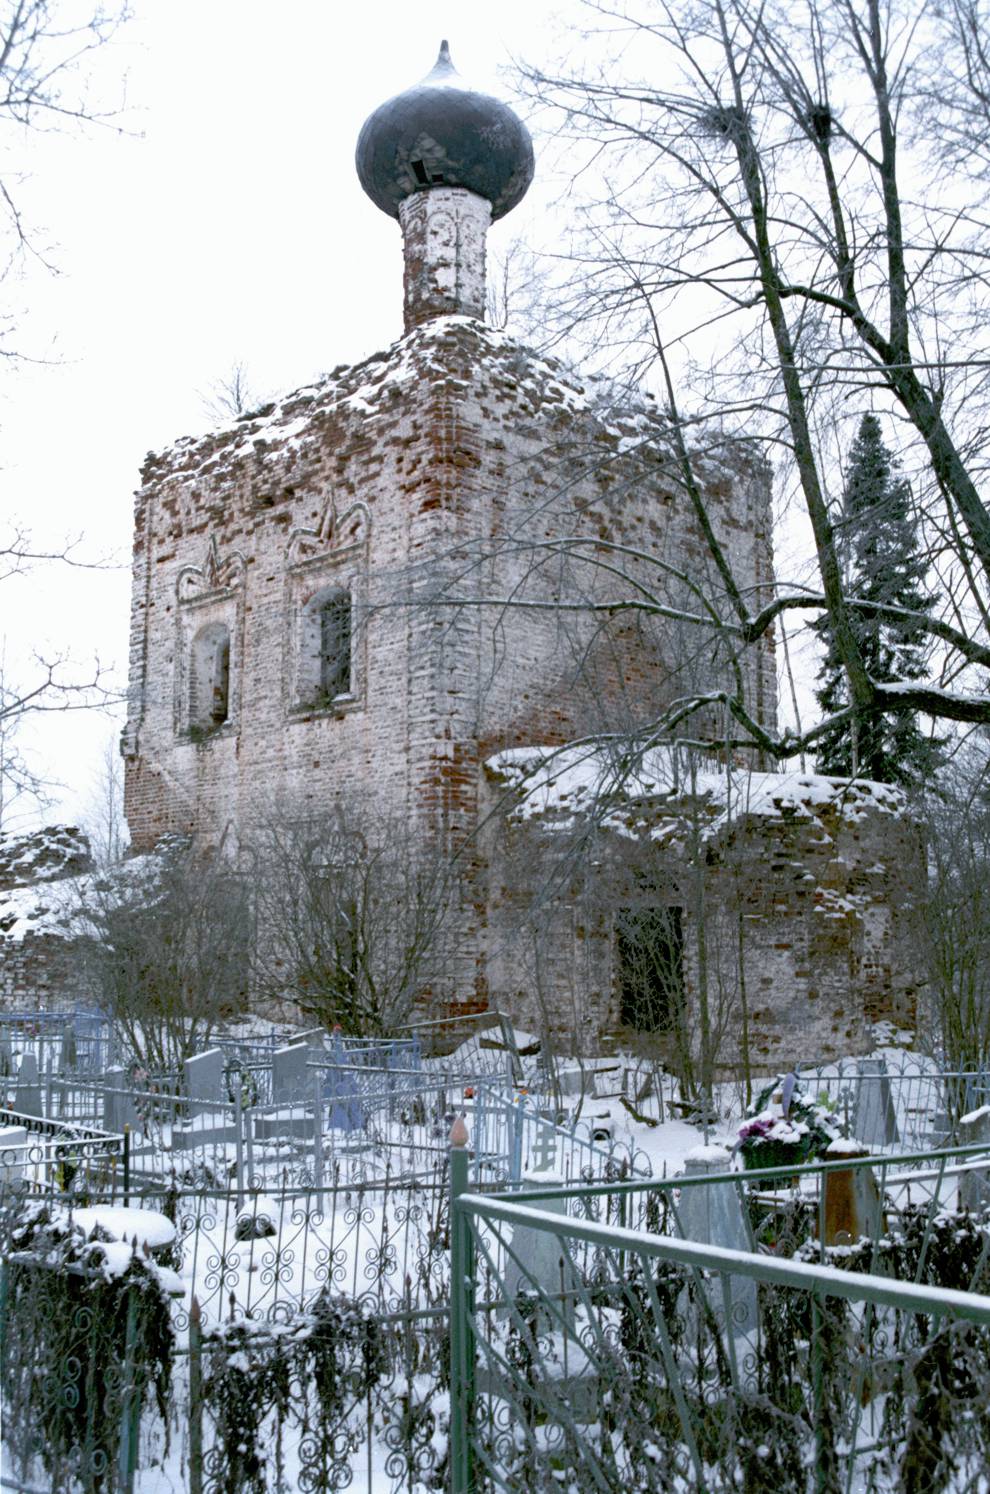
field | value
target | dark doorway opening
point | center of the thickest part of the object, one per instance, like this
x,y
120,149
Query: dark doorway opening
x,y
649,946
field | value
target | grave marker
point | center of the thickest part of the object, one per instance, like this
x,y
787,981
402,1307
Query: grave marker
x,y
289,1081
712,1214
542,1264
27,1095
874,1119
14,1146
119,1109
204,1080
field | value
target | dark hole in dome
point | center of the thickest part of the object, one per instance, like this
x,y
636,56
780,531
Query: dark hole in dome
x,y
438,177
421,174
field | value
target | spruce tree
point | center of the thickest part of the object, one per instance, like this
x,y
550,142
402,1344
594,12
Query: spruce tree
x,y
876,540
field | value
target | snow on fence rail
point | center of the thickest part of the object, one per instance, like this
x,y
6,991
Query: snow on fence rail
x,y
346,1288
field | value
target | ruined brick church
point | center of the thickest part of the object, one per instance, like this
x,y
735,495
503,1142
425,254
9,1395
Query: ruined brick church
x,y
399,583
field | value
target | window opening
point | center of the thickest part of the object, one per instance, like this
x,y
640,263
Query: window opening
x,y
335,646
649,945
220,693
209,692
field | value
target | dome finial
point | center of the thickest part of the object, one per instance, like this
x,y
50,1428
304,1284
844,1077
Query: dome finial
x,y
443,70
442,132
445,160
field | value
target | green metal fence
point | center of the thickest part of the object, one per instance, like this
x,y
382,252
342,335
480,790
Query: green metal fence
x,y
600,1357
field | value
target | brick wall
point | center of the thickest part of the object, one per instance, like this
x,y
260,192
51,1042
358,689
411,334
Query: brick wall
x,y
455,466
800,919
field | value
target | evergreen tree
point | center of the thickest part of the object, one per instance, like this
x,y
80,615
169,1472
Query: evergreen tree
x,y
876,540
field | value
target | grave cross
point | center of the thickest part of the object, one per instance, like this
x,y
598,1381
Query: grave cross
x,y
544,1150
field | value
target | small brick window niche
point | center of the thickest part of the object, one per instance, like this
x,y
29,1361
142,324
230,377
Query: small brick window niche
x,y
209,680
326,669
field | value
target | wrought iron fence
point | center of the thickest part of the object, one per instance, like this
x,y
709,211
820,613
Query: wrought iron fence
x,y
582,1353
72,1041
38,1155
592,1356
902,1100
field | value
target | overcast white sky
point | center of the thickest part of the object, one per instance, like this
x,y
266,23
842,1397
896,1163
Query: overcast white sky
x,y
227,225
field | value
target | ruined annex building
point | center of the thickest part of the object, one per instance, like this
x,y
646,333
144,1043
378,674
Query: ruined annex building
x,y
377,588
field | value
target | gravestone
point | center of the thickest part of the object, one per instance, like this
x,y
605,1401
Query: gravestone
x,y
27,1095
874,1120
573,1082
712,1214
289,1076
292,1089
204,1081
6,1057
540,1264
852,1206
206,1094
119,1109
974,1184
543,1152
70,1057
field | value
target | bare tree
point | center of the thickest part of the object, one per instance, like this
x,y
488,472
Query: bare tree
x,y
46,55
515,283
168,946
231,396
351,907
54,680
104,823
47,49
781,236
20,784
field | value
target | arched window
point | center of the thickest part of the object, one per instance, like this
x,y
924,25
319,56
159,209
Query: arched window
x,y
325,672
209,678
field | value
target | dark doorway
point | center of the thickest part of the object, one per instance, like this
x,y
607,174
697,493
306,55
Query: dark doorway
x,y
649,946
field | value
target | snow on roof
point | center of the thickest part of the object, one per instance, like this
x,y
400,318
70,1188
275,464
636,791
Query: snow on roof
x,y
421,356
559,784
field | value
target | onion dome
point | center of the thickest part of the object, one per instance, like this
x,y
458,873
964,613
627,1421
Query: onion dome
x,y
441,133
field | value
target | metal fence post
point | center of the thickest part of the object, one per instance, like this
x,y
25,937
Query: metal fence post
x,y
239,1135
818,1392
195,1398
130,1405
515,1166
249,1142
461,1328
4,1286
318,1135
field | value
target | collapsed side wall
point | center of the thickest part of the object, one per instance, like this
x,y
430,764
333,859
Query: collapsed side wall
x,y
42,972
806,923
